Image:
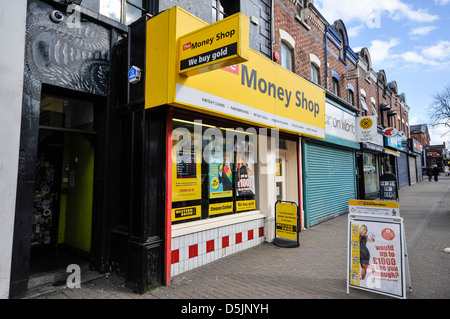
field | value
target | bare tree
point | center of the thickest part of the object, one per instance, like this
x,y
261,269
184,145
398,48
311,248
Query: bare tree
x,y
439,111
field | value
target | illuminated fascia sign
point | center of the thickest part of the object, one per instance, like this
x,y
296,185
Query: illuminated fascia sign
x,y
258,92
215,46
395,142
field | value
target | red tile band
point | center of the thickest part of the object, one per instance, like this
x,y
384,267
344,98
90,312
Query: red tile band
x,y
193,251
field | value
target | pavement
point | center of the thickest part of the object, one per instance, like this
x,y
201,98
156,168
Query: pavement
x,y
317,270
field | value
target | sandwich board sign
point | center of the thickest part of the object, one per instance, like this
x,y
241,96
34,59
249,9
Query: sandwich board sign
x,y
287,225
377,259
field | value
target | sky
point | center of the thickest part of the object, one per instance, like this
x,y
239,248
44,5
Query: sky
x,y
409,40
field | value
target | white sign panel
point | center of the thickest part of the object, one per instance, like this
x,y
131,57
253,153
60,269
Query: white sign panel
x,y
340,123
366,129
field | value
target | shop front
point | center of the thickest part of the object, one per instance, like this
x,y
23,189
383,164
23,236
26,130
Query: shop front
x,y
371,167
233,126
329,167
398,144
415,158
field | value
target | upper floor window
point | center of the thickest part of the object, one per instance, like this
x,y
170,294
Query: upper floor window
x,y
315,73
300,7
287,50
335,84
286,56
223,9
315,68
123,11
350,94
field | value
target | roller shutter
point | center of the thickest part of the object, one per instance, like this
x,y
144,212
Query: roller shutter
x,y
403,171
329,182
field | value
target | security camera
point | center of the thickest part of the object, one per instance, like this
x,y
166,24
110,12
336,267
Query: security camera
x,y
56,16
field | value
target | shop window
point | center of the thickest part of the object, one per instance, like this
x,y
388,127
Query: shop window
x,y
124,11
214,171
223,9
370,173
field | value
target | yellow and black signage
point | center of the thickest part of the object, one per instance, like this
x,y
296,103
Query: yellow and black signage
x,y
254,89
215,46
186,213
220,208
287,224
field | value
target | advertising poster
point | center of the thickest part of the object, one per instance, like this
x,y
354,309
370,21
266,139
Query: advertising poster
x,y
245,169
376,255
220,175
186,170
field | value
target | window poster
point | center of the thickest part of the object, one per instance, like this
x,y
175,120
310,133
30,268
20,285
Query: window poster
x,y
245,168
376,255
220,170
186,169
220,174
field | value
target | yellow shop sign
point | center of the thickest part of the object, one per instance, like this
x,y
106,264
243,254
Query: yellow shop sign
x,y
215,46
258,91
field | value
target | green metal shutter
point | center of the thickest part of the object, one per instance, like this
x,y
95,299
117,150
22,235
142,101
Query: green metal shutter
x,y
330,182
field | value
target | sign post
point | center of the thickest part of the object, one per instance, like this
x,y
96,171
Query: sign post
x,y
287,224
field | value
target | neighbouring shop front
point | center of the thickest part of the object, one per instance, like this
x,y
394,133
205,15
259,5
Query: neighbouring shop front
x,y
399,143
371,167
329,167
63,167
415,165
231,126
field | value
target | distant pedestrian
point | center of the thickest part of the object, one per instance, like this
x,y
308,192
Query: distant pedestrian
x,y
436,173
447,170
429,173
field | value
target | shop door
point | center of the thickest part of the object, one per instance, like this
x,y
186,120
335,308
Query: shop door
x,y
280,176
62,216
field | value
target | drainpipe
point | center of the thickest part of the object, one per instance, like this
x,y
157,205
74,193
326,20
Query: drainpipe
x,y
272,33
327,86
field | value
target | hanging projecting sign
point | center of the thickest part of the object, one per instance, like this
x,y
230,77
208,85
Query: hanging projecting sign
x,y
390,131
366,129
215,46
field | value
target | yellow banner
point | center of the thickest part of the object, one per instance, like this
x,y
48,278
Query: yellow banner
x,y
245,205
259,91
220,208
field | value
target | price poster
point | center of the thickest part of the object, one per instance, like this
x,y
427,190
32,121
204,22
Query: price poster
x,y
186,169
376,254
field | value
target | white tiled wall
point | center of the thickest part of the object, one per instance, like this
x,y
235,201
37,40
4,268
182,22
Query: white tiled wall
x,y
199,242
